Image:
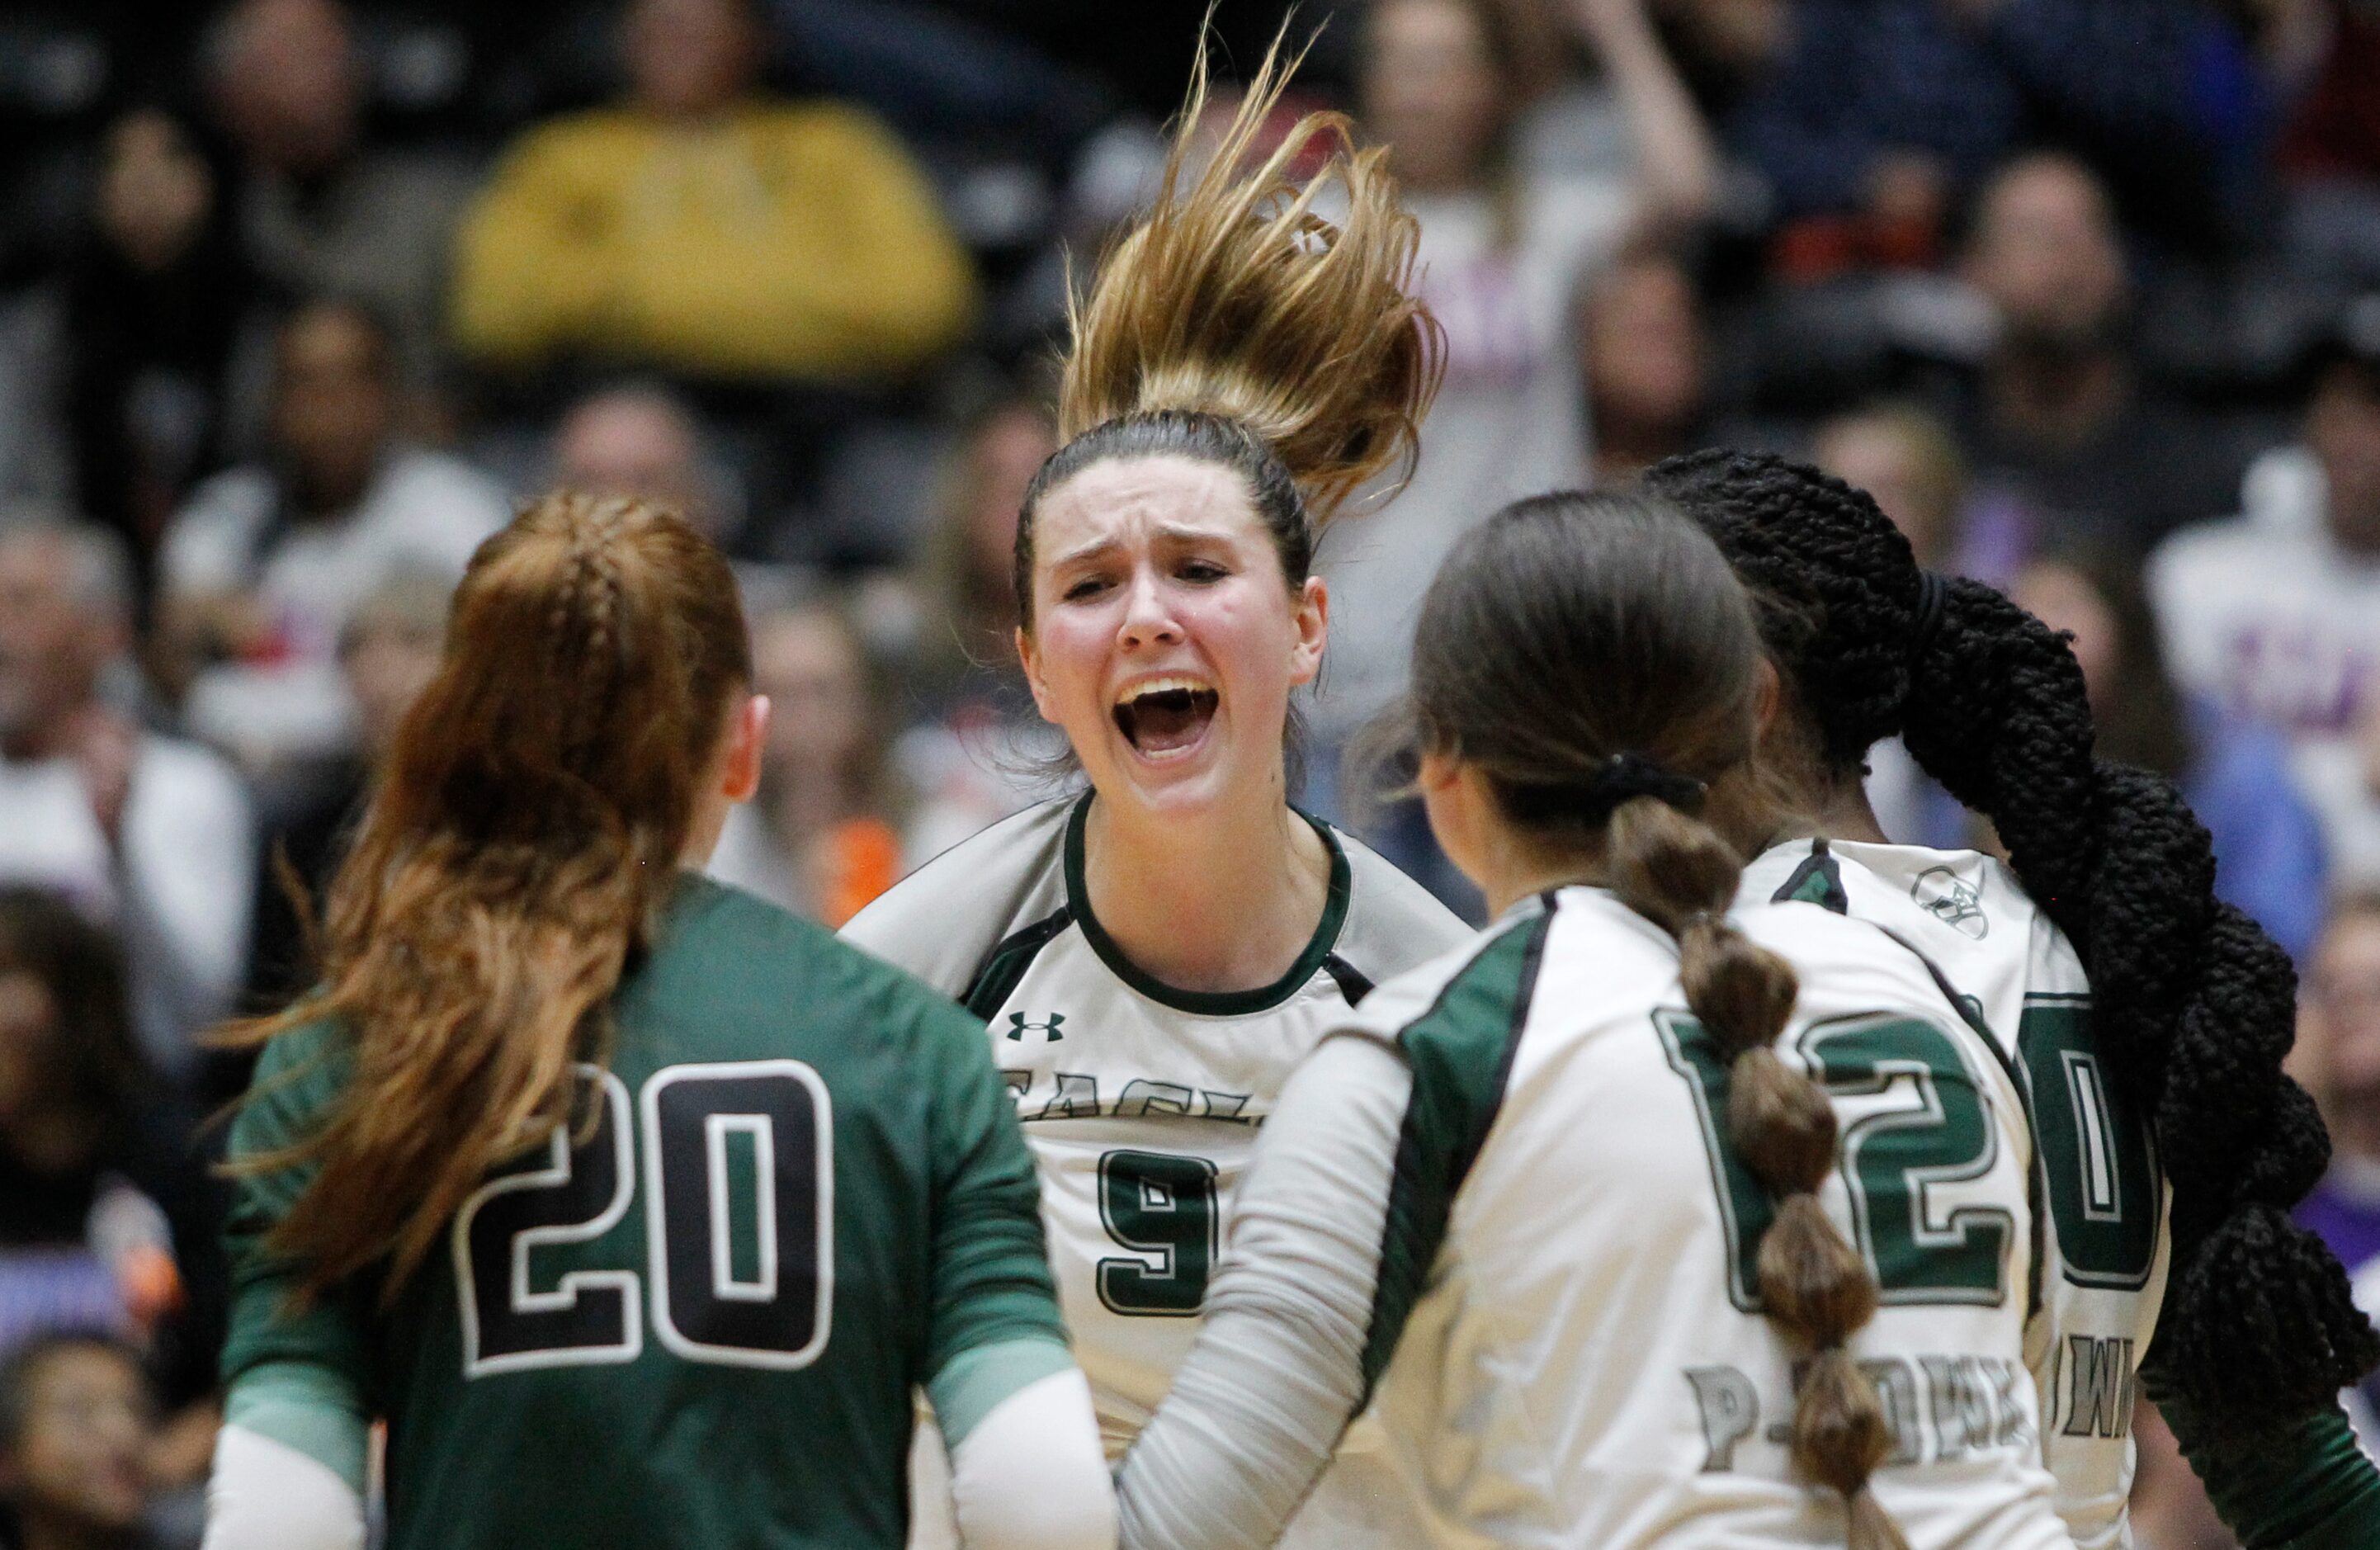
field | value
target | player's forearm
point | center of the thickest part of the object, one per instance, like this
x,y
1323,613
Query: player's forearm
x,y
1247,1430
1677,161
266,1495
2305,1487
1026,1468
1278,1368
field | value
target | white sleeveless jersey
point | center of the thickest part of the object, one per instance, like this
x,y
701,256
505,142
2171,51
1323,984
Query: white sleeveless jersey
x,y
1505,1208
2104,1247
1141,1102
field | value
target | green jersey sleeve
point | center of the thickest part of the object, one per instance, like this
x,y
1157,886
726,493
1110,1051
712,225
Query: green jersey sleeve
x,y
995,1324
2306,1486
298,1078
295,1374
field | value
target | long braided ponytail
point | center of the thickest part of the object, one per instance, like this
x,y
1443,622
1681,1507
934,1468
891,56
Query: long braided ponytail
x,y
1675,872
1593,656
2194,1005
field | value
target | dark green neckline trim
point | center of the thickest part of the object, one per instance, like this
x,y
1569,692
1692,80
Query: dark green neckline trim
x,y
1208,1003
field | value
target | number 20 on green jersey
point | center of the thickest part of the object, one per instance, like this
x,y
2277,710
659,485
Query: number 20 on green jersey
x,y
738,1181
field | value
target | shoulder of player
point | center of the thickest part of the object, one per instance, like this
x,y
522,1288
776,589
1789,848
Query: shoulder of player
x,y
1962,902
1460,1019
1798,930
1582,940
1854,966
942,921
1393,923
1468,991
724,941
299,1074
1959,914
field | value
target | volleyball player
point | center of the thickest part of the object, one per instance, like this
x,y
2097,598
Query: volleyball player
x,y
634,1206
1155,956
2150,1060
1635,1224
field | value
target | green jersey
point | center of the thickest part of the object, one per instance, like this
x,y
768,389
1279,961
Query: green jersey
x,y
797,1193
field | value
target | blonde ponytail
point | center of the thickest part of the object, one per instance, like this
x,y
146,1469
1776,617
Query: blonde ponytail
x,y
1234,299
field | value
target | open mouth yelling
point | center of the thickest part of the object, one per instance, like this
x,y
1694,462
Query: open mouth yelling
x,y
1166,717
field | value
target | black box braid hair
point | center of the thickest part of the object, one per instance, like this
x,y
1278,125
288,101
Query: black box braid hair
x,y
2195,1005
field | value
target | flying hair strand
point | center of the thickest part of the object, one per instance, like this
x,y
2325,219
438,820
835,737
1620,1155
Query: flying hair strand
x,y
1235,298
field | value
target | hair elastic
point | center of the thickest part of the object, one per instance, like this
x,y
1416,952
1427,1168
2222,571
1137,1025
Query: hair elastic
x,y
1623,778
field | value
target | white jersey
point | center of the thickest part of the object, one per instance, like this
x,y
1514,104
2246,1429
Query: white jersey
x,y
2277,623
2104,1248
1141,1102
1506,1208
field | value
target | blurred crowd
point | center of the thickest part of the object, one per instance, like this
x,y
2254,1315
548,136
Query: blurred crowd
x,y
298,297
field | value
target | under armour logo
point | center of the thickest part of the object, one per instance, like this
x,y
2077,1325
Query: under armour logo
x,y
1953,900
1018,1023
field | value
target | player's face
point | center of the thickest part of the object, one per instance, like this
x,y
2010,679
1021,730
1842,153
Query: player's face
x,y
2343,993
1432,92
1165,638
79,1456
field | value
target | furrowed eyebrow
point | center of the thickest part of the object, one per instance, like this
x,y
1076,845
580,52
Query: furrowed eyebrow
x,y
1092,550
1194,535
1167,534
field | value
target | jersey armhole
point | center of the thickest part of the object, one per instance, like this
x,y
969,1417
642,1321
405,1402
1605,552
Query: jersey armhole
x,y
997,978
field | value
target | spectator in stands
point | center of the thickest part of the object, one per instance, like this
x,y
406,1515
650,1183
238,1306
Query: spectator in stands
x,y
2056,421
148,831
151,307
970,755
2341,1033
2330,151
966,584
1884,116
2277,614
1906,459
77,1421
323,212
2342,778
1646,359
643,440
1727,49
387,654
825,835
262,567
2268,849
1504,252
104,1221
702,228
